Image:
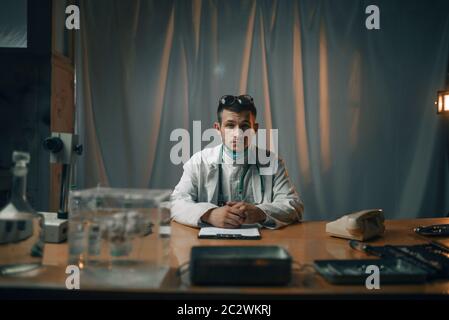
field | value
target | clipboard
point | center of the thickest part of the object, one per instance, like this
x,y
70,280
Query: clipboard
x,y
229,234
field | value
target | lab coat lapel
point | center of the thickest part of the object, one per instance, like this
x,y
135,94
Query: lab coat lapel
x,y
257,187
212,175
212,184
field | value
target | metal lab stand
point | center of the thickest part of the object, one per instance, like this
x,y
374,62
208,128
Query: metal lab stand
x,y
63,149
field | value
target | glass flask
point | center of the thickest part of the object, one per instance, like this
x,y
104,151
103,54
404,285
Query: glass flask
x,y
21,227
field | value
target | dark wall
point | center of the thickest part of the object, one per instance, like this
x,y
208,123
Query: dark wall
x,y
25,89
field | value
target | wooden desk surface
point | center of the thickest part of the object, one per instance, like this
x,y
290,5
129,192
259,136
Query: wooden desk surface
x,y
306,242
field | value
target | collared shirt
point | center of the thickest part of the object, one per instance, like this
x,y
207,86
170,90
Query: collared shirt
x,y
231,175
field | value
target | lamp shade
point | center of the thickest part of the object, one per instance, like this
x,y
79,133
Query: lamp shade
x,y
443,102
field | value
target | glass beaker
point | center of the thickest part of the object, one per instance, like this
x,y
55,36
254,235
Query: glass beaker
x,y
119,236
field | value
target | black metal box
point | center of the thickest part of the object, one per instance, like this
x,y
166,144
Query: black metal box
x,y
240,266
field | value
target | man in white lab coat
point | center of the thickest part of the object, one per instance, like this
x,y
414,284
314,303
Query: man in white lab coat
x,y
227,186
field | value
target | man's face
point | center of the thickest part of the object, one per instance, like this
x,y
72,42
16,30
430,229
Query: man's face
x,y
236,129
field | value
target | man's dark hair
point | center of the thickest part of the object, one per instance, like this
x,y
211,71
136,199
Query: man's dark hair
x,y
236,107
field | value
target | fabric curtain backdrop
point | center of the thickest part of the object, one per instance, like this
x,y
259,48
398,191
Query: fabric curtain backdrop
x,y
354,107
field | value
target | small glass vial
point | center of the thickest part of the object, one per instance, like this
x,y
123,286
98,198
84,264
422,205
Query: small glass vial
x,y
21,227
77,231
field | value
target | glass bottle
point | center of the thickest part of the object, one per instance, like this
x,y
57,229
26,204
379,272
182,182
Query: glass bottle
x,y
77,231
21,227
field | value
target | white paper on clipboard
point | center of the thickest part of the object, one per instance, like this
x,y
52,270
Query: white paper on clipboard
x,y
211,232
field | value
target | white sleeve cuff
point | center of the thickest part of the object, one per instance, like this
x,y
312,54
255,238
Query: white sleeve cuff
x,y
269,222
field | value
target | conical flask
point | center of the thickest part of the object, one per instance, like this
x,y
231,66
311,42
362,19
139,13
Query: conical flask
x,y
21,227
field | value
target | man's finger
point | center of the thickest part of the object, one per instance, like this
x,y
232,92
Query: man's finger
x,y
237,218
237,211
229,226
242,207
235,203
232,222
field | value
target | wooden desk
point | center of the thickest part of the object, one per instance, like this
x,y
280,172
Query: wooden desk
x,y
305,242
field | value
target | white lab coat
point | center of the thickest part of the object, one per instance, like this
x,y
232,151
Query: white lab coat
x,y
197,191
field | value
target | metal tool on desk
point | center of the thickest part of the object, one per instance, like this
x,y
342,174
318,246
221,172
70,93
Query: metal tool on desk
x,y
64,149
432,257
435,230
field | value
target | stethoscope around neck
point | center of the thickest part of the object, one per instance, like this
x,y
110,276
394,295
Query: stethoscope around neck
x,y
220,201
